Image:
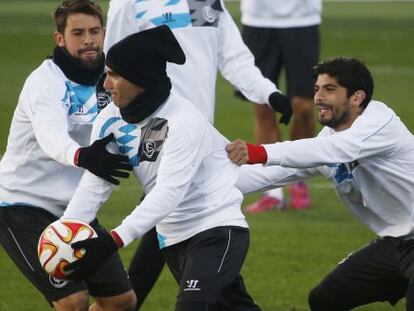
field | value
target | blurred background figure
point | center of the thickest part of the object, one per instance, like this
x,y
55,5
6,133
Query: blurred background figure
x,y
284,34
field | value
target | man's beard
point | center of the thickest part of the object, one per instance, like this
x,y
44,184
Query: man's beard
x,y
92,64
336,121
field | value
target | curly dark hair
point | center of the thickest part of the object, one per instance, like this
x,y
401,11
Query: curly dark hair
x,y
350,73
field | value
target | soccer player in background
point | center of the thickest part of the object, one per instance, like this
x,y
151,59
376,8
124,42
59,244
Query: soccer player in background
x,y
189,182
284,35
46,156
367,153
211,42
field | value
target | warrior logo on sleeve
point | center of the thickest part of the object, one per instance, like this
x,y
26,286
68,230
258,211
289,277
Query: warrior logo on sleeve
x,y
152,139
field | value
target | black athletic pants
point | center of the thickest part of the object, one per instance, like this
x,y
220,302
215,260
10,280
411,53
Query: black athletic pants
x,y
147,265
380,271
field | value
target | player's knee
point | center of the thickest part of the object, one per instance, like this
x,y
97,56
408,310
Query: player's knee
x,y
132,301
303,107
319,299
304,115
75,302
128,302
123,302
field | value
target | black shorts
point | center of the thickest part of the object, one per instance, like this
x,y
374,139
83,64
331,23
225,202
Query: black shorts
x,y
380,271
294,49
207,268
20,228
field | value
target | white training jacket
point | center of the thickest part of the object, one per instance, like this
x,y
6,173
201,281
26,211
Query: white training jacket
x,y
180,160
210,40
53,118
371,165
281,13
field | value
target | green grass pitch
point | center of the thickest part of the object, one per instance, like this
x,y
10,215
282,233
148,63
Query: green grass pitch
x,y
290,251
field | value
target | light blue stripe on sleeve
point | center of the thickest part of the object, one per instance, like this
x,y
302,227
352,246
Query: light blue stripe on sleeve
x,y
172,2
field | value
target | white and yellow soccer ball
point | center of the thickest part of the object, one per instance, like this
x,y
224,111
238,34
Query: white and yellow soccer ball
x,y
54,248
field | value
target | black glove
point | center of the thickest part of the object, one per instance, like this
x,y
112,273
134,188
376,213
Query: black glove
x,y
281,104
97,250
102,163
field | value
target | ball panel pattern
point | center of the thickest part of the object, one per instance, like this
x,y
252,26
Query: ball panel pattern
x,y
54,247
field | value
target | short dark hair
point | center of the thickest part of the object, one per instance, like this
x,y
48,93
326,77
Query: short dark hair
x,y
350,73
67,7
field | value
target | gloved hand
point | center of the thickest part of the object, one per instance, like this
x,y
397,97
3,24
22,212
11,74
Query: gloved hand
x,y
97,250
281,104
102,163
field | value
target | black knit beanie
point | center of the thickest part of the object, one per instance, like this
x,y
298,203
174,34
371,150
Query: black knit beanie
x,y
142,58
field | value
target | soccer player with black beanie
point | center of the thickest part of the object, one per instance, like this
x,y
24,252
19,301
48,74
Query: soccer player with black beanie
x,y
212,43
189,182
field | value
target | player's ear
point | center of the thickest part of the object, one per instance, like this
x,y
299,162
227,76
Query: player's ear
x,y
358,98
59,40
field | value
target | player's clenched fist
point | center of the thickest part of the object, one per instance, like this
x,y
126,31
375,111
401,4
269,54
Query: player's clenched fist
x,y
237,152
241,152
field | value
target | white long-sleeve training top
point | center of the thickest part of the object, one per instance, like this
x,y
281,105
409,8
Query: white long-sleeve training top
x,y
53,118
180,160
281,13
371,165
210,40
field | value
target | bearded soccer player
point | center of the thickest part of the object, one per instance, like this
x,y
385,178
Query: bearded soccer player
x,y
48,152
367,153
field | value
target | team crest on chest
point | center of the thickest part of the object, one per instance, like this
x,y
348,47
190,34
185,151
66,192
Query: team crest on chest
x,y
152,139
209,14
104,99
148,147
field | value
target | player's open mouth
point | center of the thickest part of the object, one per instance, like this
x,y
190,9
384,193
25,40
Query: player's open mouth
x,y
323,109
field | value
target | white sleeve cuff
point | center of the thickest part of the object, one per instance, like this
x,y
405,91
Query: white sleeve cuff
x,y
70,155
126,234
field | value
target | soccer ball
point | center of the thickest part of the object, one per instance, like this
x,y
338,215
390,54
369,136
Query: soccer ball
x,y
54,247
